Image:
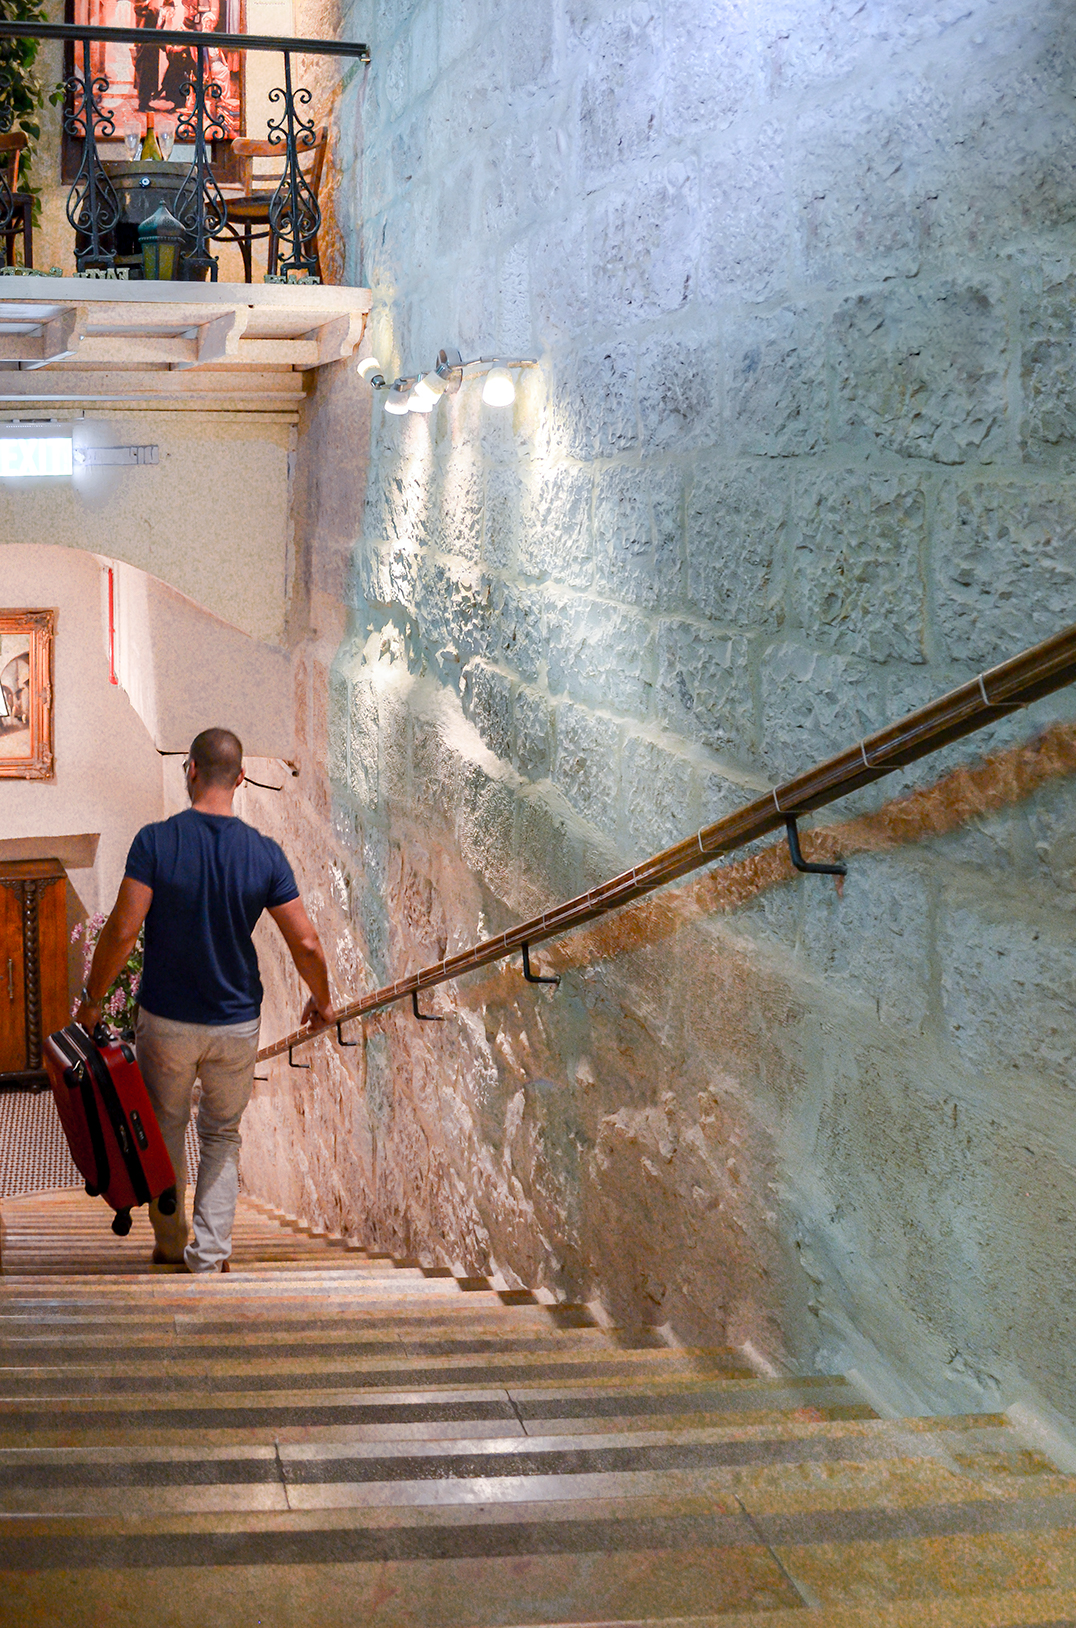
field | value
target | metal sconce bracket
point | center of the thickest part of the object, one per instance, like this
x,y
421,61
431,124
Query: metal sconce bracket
x,y
293,1064
340,1041
797,858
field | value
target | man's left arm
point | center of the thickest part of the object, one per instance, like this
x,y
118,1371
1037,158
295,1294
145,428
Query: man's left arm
x,y
114,947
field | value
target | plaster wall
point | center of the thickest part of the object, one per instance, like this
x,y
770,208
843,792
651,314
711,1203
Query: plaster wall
x,y
108,779
210,518
799,454
185,670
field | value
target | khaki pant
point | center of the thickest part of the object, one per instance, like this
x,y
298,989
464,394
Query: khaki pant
x,y
172,1056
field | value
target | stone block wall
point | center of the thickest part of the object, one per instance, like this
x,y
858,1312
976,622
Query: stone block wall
x,y
797,455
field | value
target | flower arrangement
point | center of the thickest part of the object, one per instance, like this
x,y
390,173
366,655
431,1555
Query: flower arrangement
x,y
121,1006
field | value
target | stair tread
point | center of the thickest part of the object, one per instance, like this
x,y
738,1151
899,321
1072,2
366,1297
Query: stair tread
x,y
360,1430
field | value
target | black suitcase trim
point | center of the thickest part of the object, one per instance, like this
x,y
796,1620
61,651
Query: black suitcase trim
x,y
77,1078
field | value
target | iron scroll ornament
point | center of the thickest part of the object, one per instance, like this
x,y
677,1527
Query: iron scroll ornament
x,y
200,205
7,119
294,216
92,205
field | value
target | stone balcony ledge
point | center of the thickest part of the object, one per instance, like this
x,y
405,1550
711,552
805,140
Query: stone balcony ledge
x,y
73,341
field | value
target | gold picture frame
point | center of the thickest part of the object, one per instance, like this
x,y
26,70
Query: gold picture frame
x,y
26,641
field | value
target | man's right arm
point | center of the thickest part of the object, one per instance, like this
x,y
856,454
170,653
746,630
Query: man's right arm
x,y
304,945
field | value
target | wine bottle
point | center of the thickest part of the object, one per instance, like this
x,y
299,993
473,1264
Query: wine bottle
x,y
151,153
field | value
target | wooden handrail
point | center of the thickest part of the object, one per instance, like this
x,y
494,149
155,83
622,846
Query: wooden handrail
x,y
1036,672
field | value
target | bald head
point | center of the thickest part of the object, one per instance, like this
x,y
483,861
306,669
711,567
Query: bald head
x,y
217,754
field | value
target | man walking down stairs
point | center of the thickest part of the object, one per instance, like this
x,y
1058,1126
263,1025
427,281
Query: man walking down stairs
x,y
328,1438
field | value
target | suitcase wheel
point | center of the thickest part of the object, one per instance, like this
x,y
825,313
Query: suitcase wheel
x,y
121,1223
92,1191
168,1201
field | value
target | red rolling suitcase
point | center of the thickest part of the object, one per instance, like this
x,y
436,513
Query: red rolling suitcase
x,y
109,1121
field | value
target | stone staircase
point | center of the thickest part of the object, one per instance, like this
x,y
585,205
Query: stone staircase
x,y
324,1438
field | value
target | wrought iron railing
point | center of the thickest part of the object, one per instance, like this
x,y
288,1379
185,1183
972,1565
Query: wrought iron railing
x,y
93,207
1014,684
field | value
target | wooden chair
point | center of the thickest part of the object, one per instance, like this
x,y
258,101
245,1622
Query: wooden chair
x,y
12,148
250,208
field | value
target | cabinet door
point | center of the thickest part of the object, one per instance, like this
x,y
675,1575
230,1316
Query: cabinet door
x,y
12,985
52,956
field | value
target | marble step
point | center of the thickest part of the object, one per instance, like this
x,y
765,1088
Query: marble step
x,y
652,1560
842,1482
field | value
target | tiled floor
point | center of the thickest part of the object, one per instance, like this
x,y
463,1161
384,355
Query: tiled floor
x,y
326,1438
33,1154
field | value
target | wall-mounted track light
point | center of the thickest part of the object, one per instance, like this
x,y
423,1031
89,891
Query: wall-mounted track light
x,y
420,392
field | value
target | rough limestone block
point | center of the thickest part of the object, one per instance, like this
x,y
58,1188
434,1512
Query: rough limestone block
x,y
922,371
517,635
338,727
1050,823
599,652
1009,992
872,940
362,747
704,688
656,802
717,795
531,717
619,96
858,564
461,22
487,701
522,178
814,705
594,411
1048,375
586,763
808,45
395,75
408,149
776,390
712,70
407,502
645,247
502,523
422,37
736,521
555,541
747,229
1011,121
456,506
484,823
560,279
859,212
679,391
1005,567
638,532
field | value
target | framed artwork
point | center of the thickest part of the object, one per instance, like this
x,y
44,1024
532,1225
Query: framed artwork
x,y
26,639
146,80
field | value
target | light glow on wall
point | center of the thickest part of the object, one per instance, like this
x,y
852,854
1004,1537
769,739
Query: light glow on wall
x,y
34,455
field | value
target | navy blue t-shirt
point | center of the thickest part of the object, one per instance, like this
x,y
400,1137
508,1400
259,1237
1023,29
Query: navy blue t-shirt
x,y
212,875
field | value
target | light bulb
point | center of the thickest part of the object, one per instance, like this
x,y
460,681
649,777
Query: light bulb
x,y
426,394
498,390
397,398
370,370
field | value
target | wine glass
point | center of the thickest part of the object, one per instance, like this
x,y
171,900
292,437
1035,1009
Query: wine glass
x,y
132,137
165,126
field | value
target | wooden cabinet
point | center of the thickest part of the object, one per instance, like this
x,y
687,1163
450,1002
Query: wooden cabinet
x,y
34,997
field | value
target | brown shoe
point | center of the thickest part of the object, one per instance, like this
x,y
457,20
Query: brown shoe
x,y
225,1266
